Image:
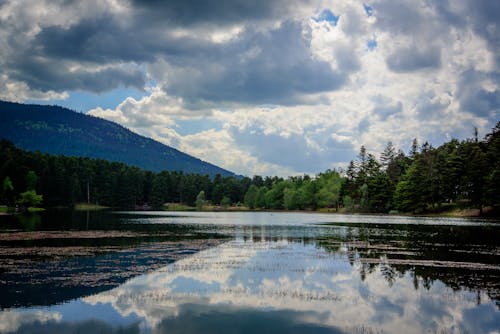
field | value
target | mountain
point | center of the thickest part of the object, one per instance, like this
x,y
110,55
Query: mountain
x,y
57,130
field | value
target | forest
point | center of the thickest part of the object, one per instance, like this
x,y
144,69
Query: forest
x,y
426,179
60,131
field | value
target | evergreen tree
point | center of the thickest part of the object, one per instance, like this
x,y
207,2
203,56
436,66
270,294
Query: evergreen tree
x,y
388,155
413,149
7,189
31,180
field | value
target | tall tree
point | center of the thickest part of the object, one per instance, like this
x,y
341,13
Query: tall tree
x,y
251,197
388,155
31,180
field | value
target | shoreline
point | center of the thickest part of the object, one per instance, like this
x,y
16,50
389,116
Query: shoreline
x,y
488,212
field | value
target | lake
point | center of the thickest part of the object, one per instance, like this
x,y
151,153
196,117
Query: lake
x,y
247,272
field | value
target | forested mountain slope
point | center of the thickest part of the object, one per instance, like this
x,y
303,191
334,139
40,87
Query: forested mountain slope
x,y
58,130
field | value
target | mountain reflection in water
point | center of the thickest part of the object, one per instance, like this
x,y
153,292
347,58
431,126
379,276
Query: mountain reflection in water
x,y
342,278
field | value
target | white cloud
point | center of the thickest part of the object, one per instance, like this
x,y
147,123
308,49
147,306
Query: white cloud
x,y
156,109
313,283
270,89
18,91
12,320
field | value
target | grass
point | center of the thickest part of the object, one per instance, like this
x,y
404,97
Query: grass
x,y
33,209
177,207
89,207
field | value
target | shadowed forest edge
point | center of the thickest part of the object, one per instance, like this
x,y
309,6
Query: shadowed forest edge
x,y
457,175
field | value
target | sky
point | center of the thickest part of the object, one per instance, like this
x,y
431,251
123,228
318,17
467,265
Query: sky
x,y
268,87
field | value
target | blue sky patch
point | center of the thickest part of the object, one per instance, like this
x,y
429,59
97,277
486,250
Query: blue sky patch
x,y
371,44
190,127
328,16
84,101
368,9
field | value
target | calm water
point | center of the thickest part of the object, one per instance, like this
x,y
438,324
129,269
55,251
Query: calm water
x,y
162,272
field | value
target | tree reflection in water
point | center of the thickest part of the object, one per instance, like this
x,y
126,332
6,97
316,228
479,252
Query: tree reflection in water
x,y
293,278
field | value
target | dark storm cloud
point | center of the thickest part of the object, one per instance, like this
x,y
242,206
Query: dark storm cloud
x,y
49,74
481,15
202,12
477,100
484,17
105,39
400,17
414,59
257,65
263,67
99,40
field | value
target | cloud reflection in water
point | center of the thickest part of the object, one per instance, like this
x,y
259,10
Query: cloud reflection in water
x,y
247,286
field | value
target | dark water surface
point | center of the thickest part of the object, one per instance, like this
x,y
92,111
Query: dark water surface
x,y
157,272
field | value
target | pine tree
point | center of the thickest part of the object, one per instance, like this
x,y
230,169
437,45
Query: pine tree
x,y
388,155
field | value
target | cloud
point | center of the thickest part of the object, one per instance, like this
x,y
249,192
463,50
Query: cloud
x,y
236,278
305,152
385,107
18,91
275,66
237,83
16,321
156,109
48,75
479,95
192,12
414,59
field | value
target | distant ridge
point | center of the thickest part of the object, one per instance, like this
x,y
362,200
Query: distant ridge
x,y
57,130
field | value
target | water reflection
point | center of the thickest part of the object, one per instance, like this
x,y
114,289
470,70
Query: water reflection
x,y
266,275
283,286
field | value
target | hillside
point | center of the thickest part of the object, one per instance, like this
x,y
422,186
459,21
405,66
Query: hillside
x,y
58,130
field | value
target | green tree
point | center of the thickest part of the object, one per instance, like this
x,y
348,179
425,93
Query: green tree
x,y
476,177
31,180
452,172
404,197
7,185
30,198
364,202
260,200
274,197
381,192
7,188
329,184
407,197
200,200
308,198
414,148
388,155
290,199
225,202
251,197
492,142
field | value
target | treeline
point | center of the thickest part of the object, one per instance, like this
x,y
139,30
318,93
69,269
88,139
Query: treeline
x,y
65,181
296,192
466,172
